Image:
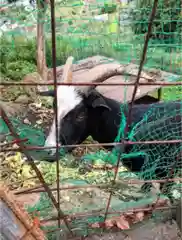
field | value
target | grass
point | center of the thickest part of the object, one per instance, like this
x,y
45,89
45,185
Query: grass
x,y
172,93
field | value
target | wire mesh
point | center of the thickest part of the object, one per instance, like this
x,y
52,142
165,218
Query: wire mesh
x,y
82,47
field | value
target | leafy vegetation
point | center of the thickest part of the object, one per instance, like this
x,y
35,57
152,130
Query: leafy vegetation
x,y
108,8
19,58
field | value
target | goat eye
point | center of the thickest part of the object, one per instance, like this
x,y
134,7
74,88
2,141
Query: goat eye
x,y
80,118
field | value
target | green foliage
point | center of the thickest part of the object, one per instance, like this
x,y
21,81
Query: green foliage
x,y
18,58
172,93
108,8
167,21
63,50
18,69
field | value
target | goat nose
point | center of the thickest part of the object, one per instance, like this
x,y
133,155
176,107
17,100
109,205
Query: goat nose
x,y
50,147
50,155
51,152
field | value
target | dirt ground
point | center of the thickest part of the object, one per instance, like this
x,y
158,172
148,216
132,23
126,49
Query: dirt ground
x,y
147,231
153,229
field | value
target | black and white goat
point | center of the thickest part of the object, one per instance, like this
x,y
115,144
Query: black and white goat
x,y
83,112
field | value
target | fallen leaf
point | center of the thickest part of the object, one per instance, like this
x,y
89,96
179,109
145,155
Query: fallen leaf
x,y
26,171
39,121
95,225
28,184
139,216
122,223
162,202
110,223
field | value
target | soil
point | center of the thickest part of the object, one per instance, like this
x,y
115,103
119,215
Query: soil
x,y
147,231
89,199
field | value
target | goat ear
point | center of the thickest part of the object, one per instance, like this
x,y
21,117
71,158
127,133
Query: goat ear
x,y
100,102
50,93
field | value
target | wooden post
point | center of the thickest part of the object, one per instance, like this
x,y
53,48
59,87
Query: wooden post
x,y
41,58
15,221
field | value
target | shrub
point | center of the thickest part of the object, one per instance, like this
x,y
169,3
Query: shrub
x,y
167,22
19,59
108,8
18,69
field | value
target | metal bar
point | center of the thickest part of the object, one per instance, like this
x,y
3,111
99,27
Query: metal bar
x,y
52,3
13,142
31,161
91,84
87,214
24,149
151,19
95,145
152,16
37,190
113,182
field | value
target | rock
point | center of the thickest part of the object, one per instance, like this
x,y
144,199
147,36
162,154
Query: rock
x,y
23,99
39,121
26,121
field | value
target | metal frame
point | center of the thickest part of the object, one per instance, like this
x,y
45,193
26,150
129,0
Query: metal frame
x,y
22,148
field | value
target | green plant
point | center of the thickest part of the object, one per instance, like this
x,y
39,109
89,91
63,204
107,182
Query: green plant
x,y
18,58
167,23
108,8
63,50
18,69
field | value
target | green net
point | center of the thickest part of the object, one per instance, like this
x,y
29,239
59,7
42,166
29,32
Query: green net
x,y
158,124
113,30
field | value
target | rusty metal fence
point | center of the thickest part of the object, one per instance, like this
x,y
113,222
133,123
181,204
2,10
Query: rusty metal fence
x,y
61,216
